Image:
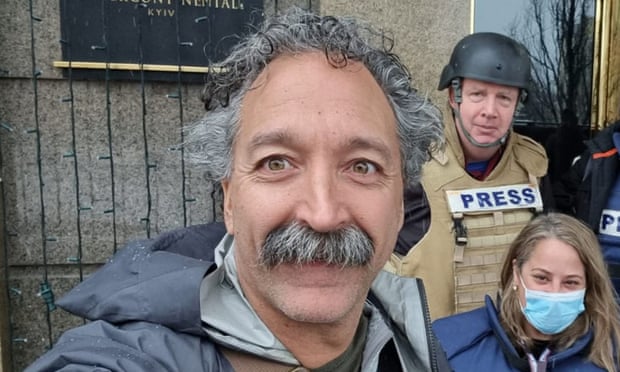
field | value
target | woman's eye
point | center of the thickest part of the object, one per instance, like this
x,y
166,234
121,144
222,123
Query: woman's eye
x,y
364,167
277,164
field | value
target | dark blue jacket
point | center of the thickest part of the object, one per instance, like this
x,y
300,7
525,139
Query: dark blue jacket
x,y
475,341
584,190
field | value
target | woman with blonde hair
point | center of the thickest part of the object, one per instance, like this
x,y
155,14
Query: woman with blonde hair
x,y
558,310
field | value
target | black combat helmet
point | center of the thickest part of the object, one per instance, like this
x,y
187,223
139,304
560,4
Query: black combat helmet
x,y
489,57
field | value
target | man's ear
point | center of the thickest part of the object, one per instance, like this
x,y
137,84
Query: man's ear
x,y
228,210
451,100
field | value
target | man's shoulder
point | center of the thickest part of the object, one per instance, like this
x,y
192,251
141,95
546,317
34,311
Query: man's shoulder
x,y
530,154
197,241
132,346
603,140
525,143
131,285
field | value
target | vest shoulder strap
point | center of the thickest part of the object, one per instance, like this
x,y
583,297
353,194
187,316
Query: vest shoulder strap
x,y
530,155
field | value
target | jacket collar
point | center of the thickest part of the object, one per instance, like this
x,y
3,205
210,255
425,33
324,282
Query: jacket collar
x,y
241,328
579,347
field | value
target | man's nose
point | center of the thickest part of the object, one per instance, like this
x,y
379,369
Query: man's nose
x,y
489,108
322,205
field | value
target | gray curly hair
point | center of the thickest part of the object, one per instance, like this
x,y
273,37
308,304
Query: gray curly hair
x,y
210,140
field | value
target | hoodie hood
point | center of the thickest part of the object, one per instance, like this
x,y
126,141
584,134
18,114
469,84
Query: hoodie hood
x,y
130,286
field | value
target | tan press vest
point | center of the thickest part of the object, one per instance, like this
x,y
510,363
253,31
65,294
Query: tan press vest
x,y
457,276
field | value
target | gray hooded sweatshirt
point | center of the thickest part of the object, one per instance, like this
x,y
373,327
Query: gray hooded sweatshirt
x,y
166,305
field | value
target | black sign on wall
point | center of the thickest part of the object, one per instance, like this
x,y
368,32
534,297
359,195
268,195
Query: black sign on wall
x,y
151,39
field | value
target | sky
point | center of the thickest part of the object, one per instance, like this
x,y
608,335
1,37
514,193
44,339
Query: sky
x,y
496,15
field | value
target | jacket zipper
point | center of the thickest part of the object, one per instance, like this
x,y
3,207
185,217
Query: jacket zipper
x,y
430,336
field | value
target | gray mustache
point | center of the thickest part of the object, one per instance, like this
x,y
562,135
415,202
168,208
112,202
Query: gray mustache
x,y
297,244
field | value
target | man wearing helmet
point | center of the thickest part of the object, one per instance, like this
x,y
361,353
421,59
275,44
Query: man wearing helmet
x,y
480,190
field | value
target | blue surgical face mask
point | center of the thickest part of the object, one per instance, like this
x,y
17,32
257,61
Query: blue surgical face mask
x,y
551,313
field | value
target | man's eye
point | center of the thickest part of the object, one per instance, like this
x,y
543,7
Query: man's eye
x,y
476,96
364,167
277,164
506,100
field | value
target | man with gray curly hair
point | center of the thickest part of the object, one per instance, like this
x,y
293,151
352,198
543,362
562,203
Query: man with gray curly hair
x,y
313,131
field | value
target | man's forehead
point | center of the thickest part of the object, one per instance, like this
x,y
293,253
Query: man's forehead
x,y
479,84
309,79
304,95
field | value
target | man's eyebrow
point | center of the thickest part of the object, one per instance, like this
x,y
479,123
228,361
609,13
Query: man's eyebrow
x,y
279,137
508,92
270,138
373,144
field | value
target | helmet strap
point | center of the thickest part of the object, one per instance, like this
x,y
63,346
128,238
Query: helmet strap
x,y
458,92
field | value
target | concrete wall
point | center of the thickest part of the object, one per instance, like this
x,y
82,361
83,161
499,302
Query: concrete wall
x,y
5,344
57,205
